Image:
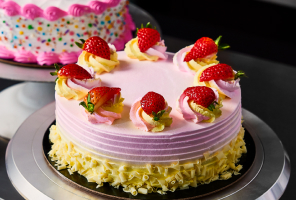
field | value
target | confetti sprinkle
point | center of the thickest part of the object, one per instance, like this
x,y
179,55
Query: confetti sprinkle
x,y
30,27
21,32
39,28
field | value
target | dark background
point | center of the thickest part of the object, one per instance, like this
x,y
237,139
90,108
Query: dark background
x,y
258,28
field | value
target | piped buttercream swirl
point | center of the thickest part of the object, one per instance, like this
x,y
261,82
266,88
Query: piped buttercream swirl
x,y
5,53
74,88
153,54
225,88
98,63
145,122
108,112
193,65
197,113
47,58
25,57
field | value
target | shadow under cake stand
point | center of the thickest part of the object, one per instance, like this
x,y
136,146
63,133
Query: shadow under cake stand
x,y
19,101
33,178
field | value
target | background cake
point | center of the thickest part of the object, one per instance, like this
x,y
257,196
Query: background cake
x,y
44,31
182,155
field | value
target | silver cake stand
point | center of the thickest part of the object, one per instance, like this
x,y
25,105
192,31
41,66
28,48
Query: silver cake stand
x,y
19,101
35,179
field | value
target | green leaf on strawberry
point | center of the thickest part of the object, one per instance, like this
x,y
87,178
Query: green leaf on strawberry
x,y
89,106
221,46
55,73
157,116
239,74
211,107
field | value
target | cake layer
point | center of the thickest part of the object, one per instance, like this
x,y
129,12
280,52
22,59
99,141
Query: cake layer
x,y
46,34
122,142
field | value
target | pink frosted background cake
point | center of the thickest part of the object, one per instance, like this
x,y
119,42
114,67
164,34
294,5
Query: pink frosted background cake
x,y
45,32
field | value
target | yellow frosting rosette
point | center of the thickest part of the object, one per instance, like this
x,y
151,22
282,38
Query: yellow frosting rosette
x,y
132,50
99,64
64,90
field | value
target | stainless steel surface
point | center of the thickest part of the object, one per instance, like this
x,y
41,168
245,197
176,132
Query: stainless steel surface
x,y
34,179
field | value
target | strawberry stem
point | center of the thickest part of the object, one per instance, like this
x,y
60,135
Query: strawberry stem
x,y
89,106
211,107
157,116
80,45
55,73
148,25
221,46
239,74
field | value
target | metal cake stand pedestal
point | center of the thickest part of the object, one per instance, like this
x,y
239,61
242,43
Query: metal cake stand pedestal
x,y
19,101
34,179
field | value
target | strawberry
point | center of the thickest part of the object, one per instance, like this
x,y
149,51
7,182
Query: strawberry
x,y
220,72
97,97
71,71
95,45
203,47
201,95
147,37
153,104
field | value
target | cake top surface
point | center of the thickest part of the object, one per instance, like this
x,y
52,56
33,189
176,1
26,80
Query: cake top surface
x,y
136,78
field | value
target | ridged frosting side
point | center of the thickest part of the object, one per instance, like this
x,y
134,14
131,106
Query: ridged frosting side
x,y
182,147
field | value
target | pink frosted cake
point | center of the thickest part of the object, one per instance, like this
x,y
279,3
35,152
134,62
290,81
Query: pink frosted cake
x,y
45,31
184,154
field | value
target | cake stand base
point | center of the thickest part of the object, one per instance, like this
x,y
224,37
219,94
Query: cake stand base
x,y
19,101
32,176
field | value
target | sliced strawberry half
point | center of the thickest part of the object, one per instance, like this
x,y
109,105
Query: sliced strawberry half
x,y
71,71
203,47
97,97
95,45
147,37
201,95
220,72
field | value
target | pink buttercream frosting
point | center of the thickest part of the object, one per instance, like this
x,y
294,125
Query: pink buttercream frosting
x,y
11,8
69,57
97,7
227,87
136,118
158,50
5,53
25,57
179,60
31,11
53,13
84,85
101,116
78,10
48,58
